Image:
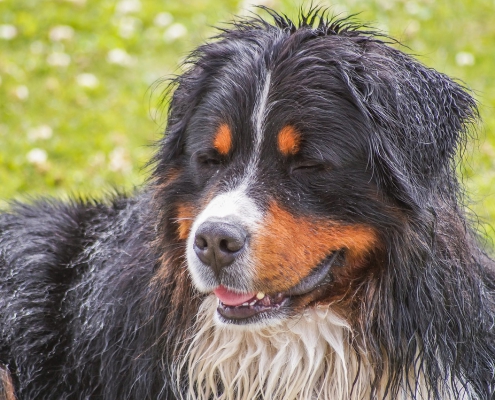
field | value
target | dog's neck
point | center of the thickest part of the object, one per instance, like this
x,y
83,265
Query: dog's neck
x,y
299,358
308,357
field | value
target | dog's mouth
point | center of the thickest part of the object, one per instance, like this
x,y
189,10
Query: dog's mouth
x,y
248,308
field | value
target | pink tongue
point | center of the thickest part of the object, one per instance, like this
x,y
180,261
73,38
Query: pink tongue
x,y
230,298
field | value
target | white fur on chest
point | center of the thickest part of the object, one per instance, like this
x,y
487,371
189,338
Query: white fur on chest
x,y
302,358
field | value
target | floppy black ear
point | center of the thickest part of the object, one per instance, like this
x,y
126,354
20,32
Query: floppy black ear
x,y
204,65
419,117
187,91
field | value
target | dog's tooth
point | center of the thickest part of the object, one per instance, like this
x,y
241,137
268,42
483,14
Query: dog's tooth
x,y
260,295
245,304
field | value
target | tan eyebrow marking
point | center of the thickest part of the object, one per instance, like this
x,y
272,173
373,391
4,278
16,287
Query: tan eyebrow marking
x,y
223,139
289,140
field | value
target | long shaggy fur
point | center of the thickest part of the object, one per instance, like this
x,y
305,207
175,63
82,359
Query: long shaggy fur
x,y
307,358
96,300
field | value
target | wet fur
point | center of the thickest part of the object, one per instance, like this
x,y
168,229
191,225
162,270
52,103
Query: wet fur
x,y
96,300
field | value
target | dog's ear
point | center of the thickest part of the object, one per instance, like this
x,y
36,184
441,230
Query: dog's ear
x,y
419,117
186,93
203,66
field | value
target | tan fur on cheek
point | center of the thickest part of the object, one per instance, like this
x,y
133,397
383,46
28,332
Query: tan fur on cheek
x,y
185,219
185,214
223,139
289,247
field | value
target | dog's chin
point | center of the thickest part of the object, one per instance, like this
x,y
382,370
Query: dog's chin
x,y
264,310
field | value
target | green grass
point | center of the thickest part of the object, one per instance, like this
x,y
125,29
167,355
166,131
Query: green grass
x,y
74,122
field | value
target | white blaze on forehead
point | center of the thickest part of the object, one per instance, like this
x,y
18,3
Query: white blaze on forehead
x,y
234,203
260,110
258,120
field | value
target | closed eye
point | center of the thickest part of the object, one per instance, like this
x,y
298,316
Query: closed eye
x,y
307,167
208,160
211,162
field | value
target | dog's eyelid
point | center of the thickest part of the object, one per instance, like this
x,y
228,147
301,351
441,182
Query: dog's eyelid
x,y
308,165
208,158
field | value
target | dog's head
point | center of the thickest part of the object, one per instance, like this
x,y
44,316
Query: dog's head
x,y
291,157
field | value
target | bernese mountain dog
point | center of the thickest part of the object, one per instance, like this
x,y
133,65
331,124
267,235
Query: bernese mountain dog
x,y
303,235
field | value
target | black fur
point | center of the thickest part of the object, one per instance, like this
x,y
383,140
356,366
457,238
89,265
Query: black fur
x,y
95,298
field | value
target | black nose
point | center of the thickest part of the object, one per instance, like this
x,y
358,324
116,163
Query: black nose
x,y
217,243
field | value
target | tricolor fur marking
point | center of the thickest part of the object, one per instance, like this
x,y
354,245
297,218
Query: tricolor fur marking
x,y
223,139
289,141
302,236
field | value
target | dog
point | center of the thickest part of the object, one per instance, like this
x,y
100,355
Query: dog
x,y
302,236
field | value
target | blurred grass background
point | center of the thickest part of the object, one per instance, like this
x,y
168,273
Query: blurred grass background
x,y
78,112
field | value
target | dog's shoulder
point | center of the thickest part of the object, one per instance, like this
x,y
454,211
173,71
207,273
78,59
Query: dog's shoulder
x,y
47,250
41,245
48,232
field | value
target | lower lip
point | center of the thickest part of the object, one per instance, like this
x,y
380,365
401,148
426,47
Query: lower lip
x,y
251,314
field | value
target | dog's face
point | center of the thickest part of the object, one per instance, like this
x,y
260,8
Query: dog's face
x,y
279,181
271,170
277,195
278,167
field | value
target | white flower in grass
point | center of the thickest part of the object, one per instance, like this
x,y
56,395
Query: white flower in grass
x,y
174,32
8,32
128,6
119,160
128,25
87,80
42,132
58,59
418,9
120,57
37,157
61,32
163,19
97,159
464,59
22,92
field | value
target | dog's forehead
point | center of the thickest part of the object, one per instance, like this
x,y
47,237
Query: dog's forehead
x,y
261,110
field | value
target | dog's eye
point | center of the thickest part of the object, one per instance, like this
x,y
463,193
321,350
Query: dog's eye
x,y
211,162
306,167
208,160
